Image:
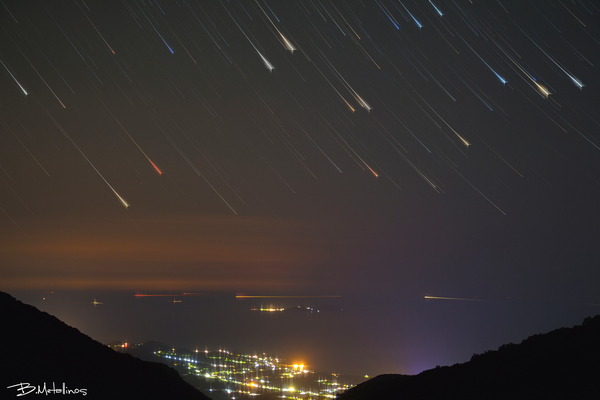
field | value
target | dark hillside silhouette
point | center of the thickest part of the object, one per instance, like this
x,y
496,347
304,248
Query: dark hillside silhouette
x,y
562,364
38,349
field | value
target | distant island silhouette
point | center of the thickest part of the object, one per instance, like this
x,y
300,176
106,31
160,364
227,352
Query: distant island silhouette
x,y
43,356
562,364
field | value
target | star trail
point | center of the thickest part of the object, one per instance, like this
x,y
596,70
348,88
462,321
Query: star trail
x,y
189,68
441,148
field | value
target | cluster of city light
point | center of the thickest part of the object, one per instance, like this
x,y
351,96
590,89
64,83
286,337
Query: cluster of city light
x,y
271,309
247,373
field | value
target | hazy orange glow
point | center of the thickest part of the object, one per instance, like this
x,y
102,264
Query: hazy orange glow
x,y
171,254
243,296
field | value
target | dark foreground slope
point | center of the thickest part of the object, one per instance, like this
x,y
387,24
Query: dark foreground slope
x,y
562,364
40,350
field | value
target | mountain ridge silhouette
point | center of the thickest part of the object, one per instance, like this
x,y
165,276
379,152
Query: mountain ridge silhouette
x,y
40,352
561,364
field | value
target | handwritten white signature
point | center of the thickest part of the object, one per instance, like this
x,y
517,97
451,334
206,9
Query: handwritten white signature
x,y
25,388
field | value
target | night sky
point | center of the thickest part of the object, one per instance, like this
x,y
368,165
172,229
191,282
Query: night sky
x,y
381,151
